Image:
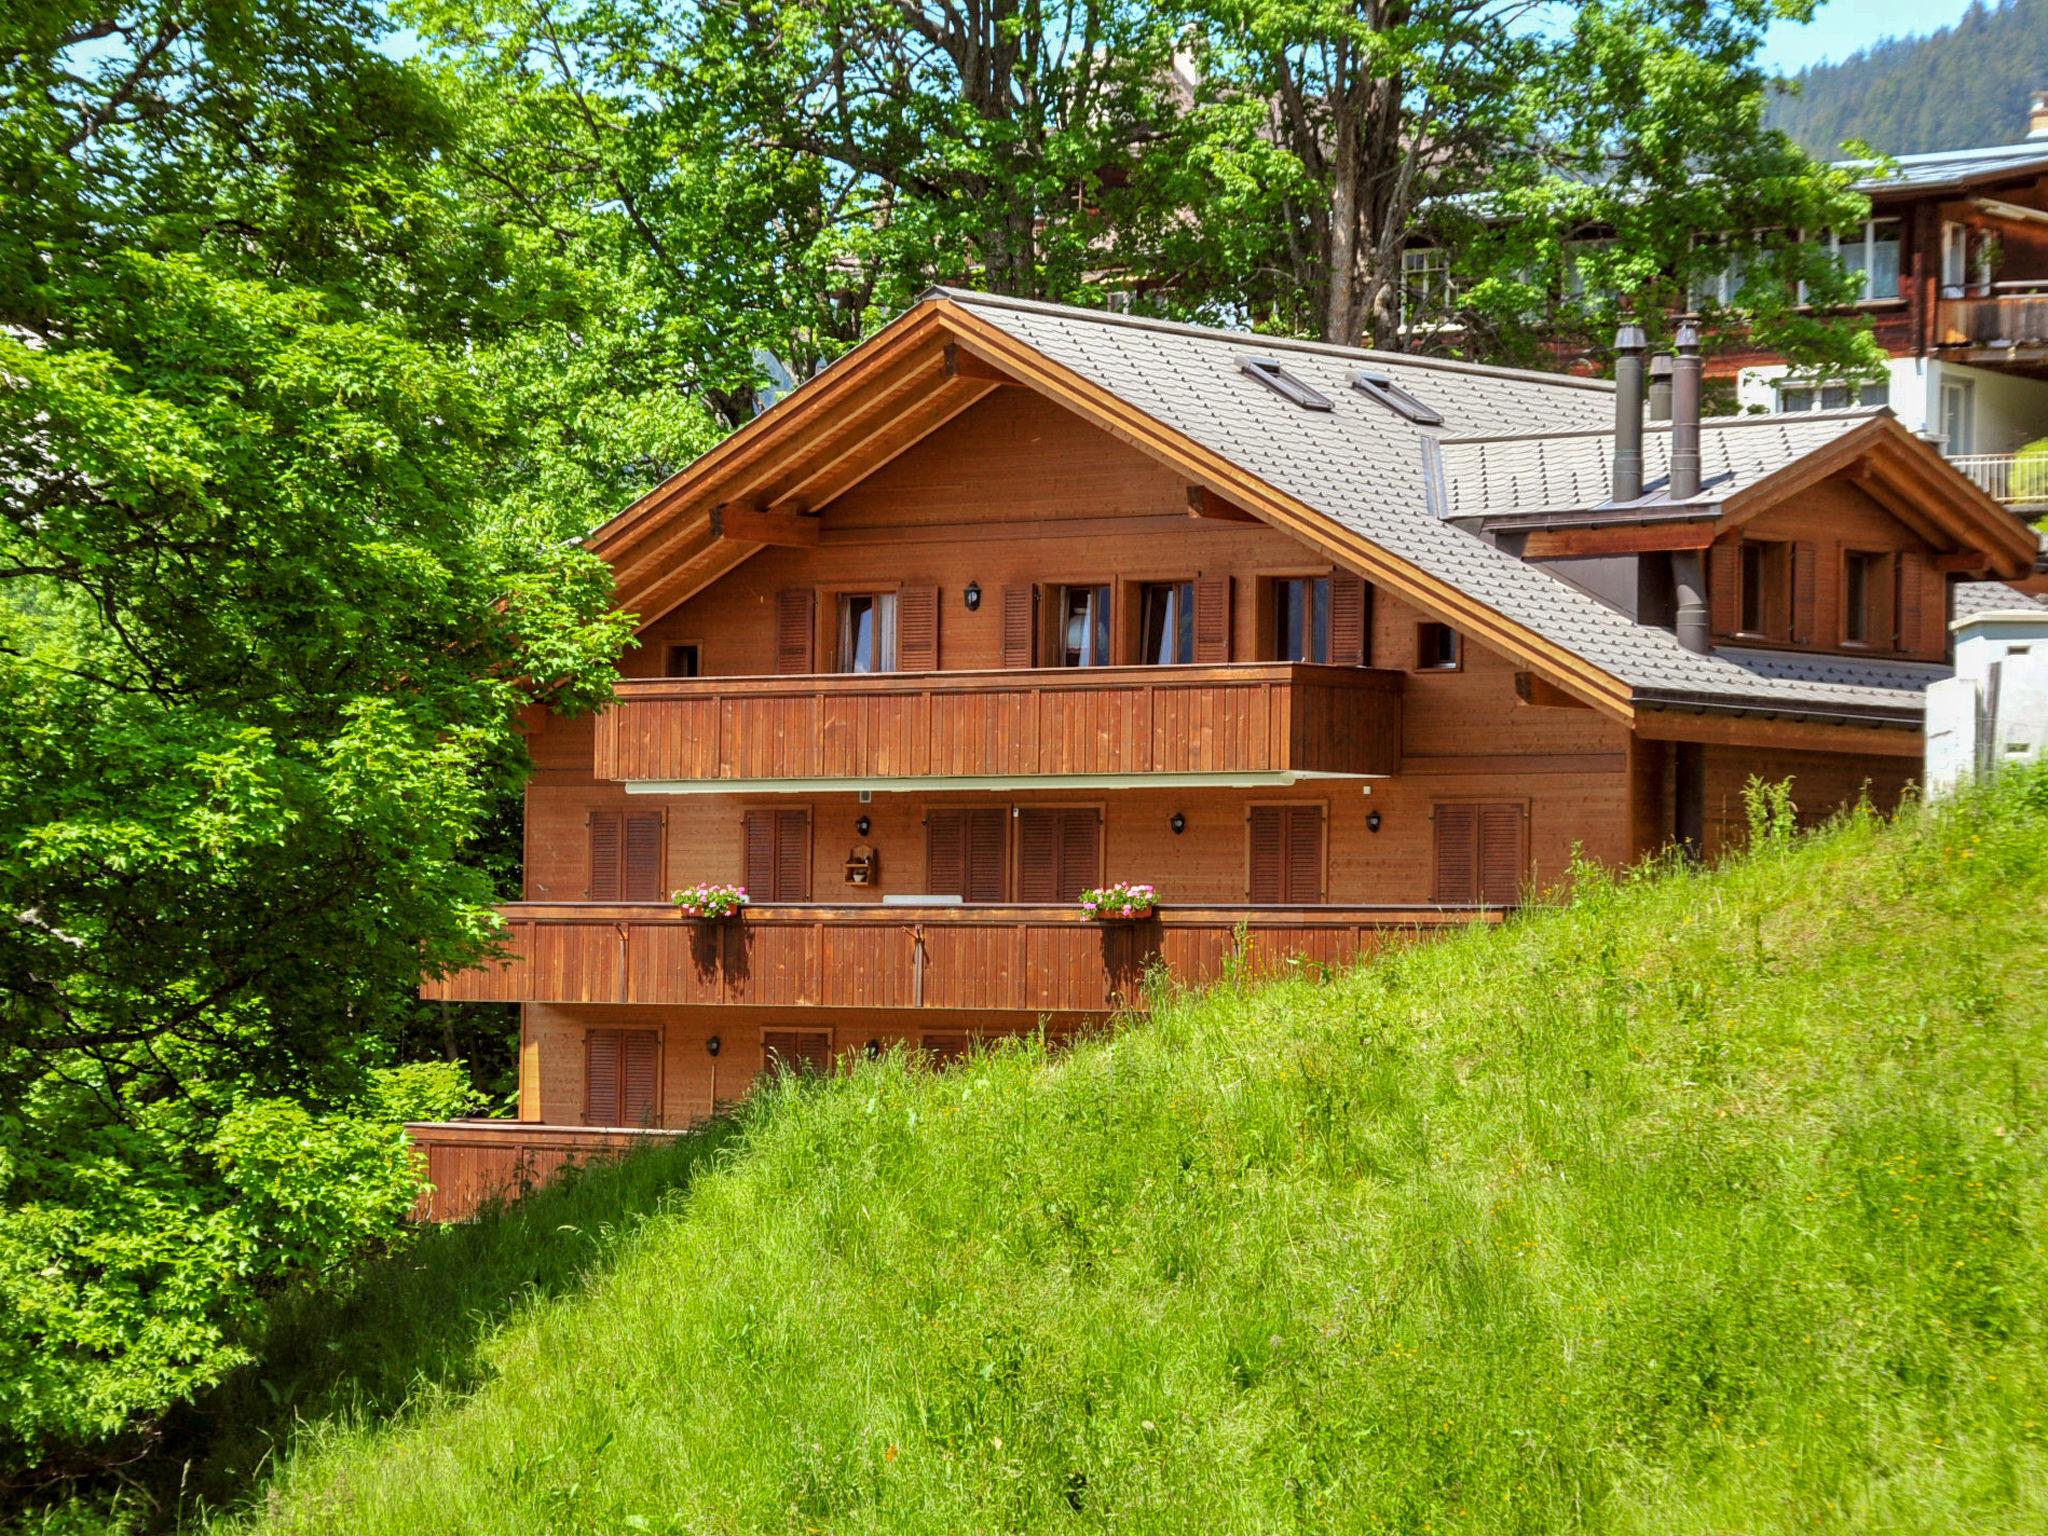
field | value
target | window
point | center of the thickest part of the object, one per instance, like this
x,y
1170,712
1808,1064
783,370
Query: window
x,y
1581,258
964,853
1381,387
1766,587
776,856
1301,619
1425,284
867,632
1059,854
1799,396
621,1077
1872,253
625,856
1436,648
1084,626
1965,261
1284,855
1866,586
1285,384
1481,857
1958,417
1166,623
684,661
802,1051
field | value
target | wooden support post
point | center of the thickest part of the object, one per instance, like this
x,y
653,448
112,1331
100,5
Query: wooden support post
x,y
758,527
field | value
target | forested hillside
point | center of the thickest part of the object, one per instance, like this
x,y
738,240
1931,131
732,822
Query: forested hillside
x,y
1964,86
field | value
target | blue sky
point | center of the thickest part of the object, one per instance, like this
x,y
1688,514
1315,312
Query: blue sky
x,y
1842,26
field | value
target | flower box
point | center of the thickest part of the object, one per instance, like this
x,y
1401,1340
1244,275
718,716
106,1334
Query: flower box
x,y
711,903
1120,903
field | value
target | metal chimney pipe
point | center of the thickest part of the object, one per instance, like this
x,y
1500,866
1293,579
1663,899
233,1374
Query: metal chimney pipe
x,y
1660,387
1629,345
1689,582
1685,415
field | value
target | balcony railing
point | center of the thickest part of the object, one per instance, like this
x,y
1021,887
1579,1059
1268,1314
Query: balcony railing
x,y
2002,320
1259,719
2018,480
1022,959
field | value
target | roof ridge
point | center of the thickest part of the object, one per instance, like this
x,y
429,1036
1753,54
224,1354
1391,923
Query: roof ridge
x,y
1261,339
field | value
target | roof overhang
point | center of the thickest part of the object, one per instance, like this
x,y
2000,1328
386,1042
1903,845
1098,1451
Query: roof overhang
x,y
936,360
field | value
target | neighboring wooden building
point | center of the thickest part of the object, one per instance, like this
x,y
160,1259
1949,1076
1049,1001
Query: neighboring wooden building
x,y
1333,648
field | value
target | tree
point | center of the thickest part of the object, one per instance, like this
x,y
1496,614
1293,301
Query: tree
x,y
262,647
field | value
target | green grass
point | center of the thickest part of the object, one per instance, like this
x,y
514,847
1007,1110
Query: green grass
x,y
1708,1203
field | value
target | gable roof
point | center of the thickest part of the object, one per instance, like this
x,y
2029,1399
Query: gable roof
x,y
1949,169
1353,481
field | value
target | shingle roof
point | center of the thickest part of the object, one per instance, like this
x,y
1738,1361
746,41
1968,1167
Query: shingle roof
x,y
1572,471
1975,597
1361,465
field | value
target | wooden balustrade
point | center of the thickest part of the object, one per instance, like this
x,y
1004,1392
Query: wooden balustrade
x,y
2006,320
1271,717
1028,959
470,1163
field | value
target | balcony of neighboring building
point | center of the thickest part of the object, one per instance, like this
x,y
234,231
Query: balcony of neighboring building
x,y
1245,723
983,959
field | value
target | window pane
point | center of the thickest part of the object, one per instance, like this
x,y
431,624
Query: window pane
x,y
1752,588
1184,622
1834,397
1874,394
1319,620
1084,627
1795,399
1856,599
1884,260
1167,623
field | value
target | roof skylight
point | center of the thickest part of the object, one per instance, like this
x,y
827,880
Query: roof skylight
x,y
1381,387
1285,384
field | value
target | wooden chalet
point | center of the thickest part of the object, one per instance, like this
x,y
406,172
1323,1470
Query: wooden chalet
x,y
1333,648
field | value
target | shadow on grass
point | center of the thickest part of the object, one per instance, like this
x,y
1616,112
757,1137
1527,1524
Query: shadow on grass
x,y
416,1324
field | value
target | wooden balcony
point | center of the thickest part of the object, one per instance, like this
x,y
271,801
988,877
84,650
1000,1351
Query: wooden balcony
x,y
472,1162
1255,722
2000,325
1016,959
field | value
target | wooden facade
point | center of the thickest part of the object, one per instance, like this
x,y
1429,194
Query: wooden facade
x,y
914,837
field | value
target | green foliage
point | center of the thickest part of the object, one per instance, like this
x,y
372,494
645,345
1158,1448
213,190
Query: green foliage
x,y
1961,87
262,647
1707,1201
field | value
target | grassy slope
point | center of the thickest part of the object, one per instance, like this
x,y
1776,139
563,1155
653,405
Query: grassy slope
x,y
1710,1203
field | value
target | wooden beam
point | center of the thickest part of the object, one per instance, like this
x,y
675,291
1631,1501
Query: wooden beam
x,y
1633,539
885,436
1790,735
962,364
1544,694
1205,503
759,527
1968,562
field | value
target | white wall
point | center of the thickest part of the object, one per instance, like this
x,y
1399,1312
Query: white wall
x,y
2009,411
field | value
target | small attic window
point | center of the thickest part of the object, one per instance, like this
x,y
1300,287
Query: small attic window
x,y
1381,387
1281,382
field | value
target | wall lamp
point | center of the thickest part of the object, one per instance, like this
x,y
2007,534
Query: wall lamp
x,y
1178,822
973,596
861,826
711,1046
1372,821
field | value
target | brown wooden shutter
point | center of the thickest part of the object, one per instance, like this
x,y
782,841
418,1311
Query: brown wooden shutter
x,y
1020,626
606,833
1212,620
1912,579
1304,884
1805,591
985,855
641,877
1724,585
1038,857
1457,855
601,1071
1350,615
640,1077
945,853
1502,859
1080,853
796,630
1268,841
758,863
1285,855
792,856
917,629
796,1050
